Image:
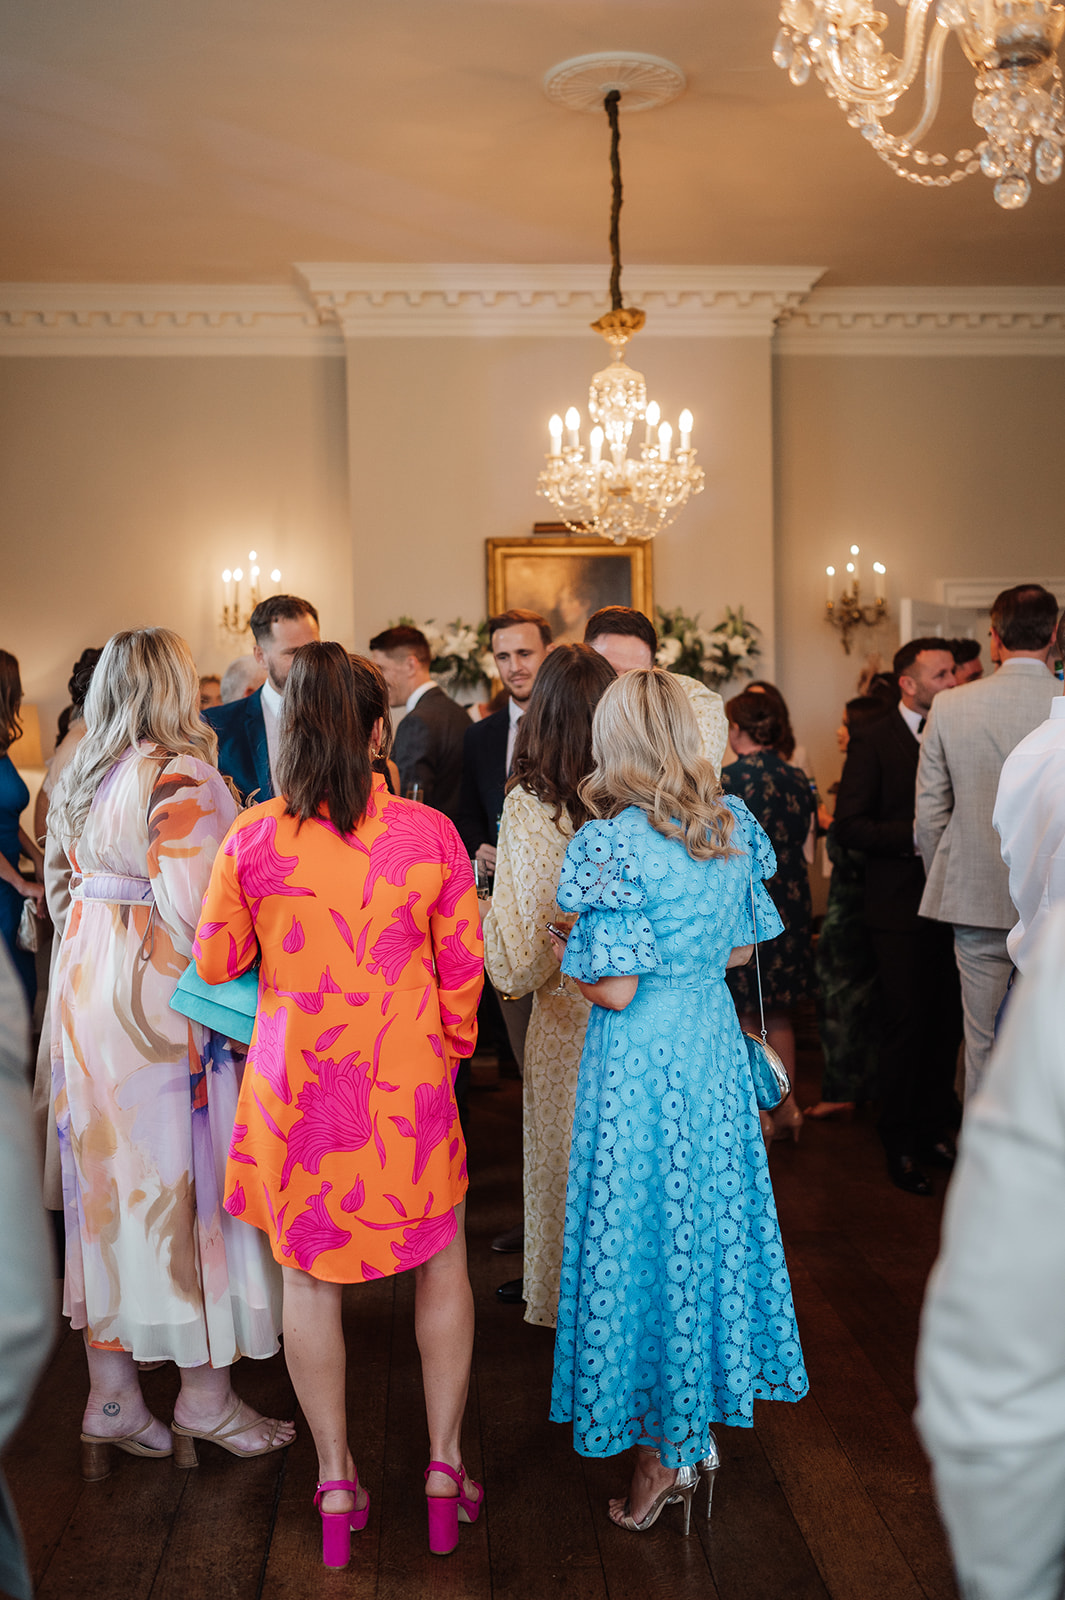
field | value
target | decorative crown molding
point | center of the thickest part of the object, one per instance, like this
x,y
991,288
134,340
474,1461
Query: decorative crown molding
x,y
108,319
419,301
925,322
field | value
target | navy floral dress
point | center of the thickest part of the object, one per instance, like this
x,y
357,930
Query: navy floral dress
x,y
780,797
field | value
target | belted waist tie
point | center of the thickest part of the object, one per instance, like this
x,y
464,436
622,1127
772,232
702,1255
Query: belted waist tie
x,y
115,887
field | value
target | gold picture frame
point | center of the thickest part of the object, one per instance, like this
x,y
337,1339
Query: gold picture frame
x,y
566,576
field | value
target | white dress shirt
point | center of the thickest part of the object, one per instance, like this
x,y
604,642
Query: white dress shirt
x,y
913,720
516,714
416,694
271,704
1029,819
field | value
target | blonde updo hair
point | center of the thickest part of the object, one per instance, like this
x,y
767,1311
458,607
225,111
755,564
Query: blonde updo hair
x,y
144,690
648,753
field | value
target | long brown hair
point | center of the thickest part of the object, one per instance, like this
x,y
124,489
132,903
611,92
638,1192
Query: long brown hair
x,y
332,701
10,700
648,753
553,751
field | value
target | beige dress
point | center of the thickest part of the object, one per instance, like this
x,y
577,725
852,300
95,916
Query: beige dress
x,y
519,960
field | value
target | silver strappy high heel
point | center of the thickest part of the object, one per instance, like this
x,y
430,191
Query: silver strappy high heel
x,y
680,1490
707,1468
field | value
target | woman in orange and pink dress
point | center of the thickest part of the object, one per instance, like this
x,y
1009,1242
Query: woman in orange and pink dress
x,y
347,1151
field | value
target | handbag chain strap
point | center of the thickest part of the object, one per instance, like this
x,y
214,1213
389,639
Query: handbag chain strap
x,y
757,963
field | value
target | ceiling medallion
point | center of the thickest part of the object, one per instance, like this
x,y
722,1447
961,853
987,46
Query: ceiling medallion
x,y
1019,104
583,82
607,491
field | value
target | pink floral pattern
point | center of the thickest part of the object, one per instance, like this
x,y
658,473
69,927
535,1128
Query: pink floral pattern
x,y
367,1001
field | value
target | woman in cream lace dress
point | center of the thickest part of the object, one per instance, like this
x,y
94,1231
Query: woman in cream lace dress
x,y
540,815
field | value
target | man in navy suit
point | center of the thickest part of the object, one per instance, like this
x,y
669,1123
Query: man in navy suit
x,y
247,729
519,642
428,745
918,980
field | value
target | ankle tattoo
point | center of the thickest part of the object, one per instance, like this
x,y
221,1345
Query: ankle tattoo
x,y
111,1408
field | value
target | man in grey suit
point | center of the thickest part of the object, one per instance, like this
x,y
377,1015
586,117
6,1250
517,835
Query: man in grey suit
x,y
428,743
970,732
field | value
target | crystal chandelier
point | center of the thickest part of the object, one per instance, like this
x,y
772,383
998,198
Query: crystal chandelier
x,y
1012,44
607,491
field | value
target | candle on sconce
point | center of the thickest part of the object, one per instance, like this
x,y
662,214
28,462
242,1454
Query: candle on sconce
x,y
830,573
854,567
596,446
237,575
275,576
573,427
685,421
651,416
878,576
554,428
665,441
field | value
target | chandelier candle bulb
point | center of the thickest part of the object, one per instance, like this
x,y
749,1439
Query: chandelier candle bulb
x,y
596,446
665,441
830,573
686,419
554,428
855,568
573,427
878,577
652,415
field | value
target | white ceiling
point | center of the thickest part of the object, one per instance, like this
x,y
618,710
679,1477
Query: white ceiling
x,y
222,141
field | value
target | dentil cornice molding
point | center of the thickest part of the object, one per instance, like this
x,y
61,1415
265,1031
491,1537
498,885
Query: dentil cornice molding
x,y
148,319
925,322
334,304
401,300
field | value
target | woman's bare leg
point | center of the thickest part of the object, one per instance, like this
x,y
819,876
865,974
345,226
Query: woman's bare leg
x,y
443,1325
317,1365
116,1407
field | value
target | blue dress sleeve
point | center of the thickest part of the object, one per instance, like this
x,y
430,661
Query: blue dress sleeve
x,y
758,861
601,882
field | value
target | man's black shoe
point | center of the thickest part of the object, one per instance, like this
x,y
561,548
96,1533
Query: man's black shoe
x,y
941,1155
511,1293
906,1174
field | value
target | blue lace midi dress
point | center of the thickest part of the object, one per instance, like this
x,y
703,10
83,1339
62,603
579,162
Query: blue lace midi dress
x,y
675,1310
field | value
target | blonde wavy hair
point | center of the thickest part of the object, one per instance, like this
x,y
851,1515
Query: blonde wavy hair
x,y
144,690
648,753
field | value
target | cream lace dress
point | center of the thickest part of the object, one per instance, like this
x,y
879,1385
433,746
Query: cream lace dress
x,y
519,960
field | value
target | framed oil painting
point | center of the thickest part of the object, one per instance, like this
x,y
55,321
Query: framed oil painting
x,y
566,576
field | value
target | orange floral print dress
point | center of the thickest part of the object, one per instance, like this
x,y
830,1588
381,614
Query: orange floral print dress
x,y
347,1150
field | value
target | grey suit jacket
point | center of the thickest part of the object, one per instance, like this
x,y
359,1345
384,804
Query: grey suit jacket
x,y
970,732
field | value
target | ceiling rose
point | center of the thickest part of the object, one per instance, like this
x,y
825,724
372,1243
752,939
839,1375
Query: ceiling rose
x,y
583,82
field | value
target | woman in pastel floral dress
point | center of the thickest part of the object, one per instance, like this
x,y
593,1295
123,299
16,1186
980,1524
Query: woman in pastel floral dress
x,y
347,1153
541,810
144,1099
676,1311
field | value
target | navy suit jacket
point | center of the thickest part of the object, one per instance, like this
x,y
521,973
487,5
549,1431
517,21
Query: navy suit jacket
x,y
242,751
874,813
484,779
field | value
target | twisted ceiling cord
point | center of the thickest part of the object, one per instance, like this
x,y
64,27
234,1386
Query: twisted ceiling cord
x,y
611,106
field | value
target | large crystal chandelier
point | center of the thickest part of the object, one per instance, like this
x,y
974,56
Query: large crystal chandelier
x,y
605,490
1012,44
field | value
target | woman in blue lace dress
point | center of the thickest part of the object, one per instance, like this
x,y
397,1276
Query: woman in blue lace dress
x,y
675,1309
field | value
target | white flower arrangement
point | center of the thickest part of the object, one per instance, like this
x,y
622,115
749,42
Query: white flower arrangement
x,y
712,655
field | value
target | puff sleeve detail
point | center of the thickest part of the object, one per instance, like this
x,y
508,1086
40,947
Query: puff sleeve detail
x,y
750,837
601,882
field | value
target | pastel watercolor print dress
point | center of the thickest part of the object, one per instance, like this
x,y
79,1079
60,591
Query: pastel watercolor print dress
x,y
144,1099
675,1310
347,1151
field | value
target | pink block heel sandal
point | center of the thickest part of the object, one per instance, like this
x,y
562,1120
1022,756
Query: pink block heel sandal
x,y
338,1526
447,1511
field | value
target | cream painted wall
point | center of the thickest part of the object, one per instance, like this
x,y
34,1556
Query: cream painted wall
x,y
448,435
941,467
128,484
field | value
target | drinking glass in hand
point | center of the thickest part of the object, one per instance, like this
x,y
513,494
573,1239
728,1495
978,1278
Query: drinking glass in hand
x,y
414,791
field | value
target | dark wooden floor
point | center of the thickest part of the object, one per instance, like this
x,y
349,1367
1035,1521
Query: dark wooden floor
x,y
829,1497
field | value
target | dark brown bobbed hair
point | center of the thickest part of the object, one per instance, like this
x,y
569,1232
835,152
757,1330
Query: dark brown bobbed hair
x,y
758,715
10,700
864,709
332,701
785,745
553,750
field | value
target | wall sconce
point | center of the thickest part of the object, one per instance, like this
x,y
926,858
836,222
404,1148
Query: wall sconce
x,y
847,611
237,610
